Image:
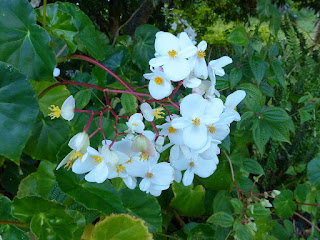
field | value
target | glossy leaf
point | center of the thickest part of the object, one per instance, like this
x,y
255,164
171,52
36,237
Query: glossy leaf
x,y
235,77
45,177
121,226
99,196
284,204
138,204
243,232
28,186
201,231
188,200
18,111
23,43
82,98
252,166
313,171
222,219
258,68
129,103
238,37
278,71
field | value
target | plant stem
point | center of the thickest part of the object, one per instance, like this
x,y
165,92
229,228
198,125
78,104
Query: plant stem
x,y
308,221
44,13
19,224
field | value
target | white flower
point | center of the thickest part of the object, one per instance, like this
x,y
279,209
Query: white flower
x,y
266,203
191,33
135,123
215,67
79,143
67,109
174,26
35,3
275,193
159,86
149,113
199,63
194,121
230,114
191,81
56,72
171,56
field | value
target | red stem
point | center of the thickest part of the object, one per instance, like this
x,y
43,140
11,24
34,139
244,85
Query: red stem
x,y
88,124
308,221
176,89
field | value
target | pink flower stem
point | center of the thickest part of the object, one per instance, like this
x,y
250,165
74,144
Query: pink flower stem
x,y
106,96
174,104
88,124
106,69
86,111
176,89
100,127
155,128
94,133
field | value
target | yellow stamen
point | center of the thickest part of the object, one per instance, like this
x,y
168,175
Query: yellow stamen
x,y
69,165
144,156
134,124
130,160
191,164
158,113
235,109
196,122
171,130
76,155
149,175
97,159
211,129
158,80
120,168
55,112
173,53
201,54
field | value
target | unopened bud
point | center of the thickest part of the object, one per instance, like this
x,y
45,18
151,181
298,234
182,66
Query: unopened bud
x,y
144,145
275,193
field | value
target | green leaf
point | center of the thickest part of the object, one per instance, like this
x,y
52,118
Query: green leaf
x,y
291,171
305,116
121,226
129,103
144,49
48,220
260,133
273,50
55,96
82,98
238,37
220,179
59,24
201,232
258,211
243,232
266,89
237,205
252,166
80,221
313,171
188,201
275,114
45,177
221,202
90,215
258,68
253,95
18,111
28,186
222,219
88,38
278,71
138,204
280,232
284,204
99,196
47,138
235,77
24,44
9,231
275,21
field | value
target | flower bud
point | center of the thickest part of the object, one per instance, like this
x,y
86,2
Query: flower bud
x,y
144,145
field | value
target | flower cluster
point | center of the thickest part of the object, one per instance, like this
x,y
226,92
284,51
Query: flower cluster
x,y
193,136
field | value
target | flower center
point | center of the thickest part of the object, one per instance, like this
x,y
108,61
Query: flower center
x,y
196,122
149,175
120,168
130,160
55,112
211,129
144,156
171,130
96,159
191,164
173,53
134,124
158,113
69,165
201,54
76,155
158,80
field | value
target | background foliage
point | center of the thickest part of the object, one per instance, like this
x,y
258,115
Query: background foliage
x,y
275,52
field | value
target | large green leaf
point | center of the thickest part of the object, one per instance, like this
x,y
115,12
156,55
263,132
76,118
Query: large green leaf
x,y
99,196
238,37
188,201
47,138
129,103
243,232
24,44
18,111
28,186
258,68
120,227
278,71
253,95
252,166
59,24
222,219
45,178
9,231
144,49
88,38
48,220
284,204
139,204
220,179
260,133
314,171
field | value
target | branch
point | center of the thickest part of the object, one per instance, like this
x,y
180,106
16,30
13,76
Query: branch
x,y
19,224
308,221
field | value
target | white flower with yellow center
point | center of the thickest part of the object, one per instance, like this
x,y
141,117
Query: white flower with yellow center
x,y
198,61
149,114
66,112
215,67
159,86
79,143
172,55
230,113
194,121
135,123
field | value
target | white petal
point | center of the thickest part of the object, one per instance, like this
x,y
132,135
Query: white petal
x,y
195,137
147,111
188,177
174,153
158,61
56,72
155,192
235,98
177,69
80,167
192,106
188,52
99,174
166,42
67,109
145,184
220,62
177,175
131,182
191,82
184,40
160,91
202,45
201,69
162,174
204,168
65,160
180,123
